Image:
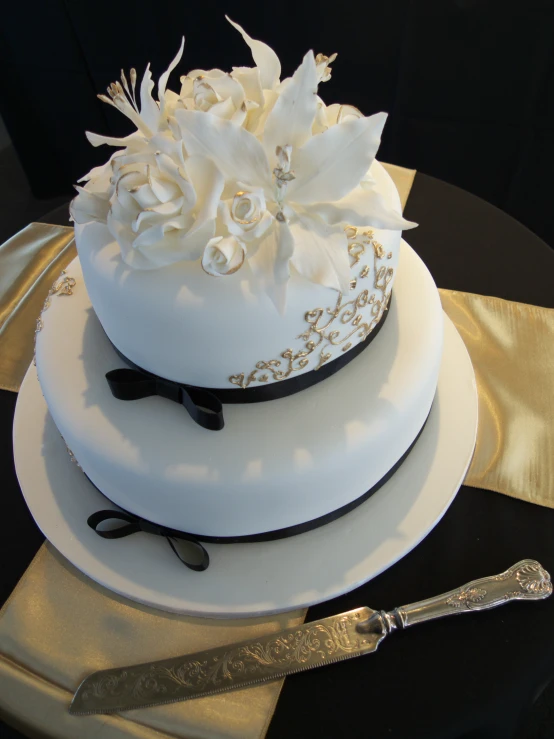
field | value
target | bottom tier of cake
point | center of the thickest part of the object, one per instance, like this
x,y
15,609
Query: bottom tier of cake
x,y
275,464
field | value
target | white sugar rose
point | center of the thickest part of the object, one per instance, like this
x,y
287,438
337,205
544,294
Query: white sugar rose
x,y
223,256
341,113
216,92
331,115
246,215
162,212
160,208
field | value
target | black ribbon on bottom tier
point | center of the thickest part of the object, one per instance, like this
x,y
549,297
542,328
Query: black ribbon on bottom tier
x,y
135,524
204,405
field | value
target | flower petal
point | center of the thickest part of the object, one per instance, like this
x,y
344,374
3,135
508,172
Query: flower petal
x,y
265,58
171,170
149,111
208,184
162,82
98,180
261,115
291,119
320,252
89,206
158,214
97,140
362,207
227,87
176,247
161,244
164,190
224,109
332,163
168,145
145,196
156,234
237,153
249,79
270,262
253,234
124,237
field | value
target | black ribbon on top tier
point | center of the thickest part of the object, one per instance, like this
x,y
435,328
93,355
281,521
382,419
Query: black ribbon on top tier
x,y
204,405
136,524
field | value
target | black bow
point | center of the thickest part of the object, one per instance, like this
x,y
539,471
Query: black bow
x,y
134,524
203,406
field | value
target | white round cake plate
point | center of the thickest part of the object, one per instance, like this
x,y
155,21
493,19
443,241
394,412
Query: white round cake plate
x,y
261,578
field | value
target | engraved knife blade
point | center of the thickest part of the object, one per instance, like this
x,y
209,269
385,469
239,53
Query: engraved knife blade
x,y
313,644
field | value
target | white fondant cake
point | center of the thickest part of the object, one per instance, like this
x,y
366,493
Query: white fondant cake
x,y
275,464
242,237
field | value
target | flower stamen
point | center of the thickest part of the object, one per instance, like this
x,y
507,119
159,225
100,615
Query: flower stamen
x,y
283,173
323,68
121,98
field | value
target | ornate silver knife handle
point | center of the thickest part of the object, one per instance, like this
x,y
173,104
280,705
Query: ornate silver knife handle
x,y
526,580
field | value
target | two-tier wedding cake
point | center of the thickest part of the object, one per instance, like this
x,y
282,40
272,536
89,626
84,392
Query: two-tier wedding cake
x,y
234,361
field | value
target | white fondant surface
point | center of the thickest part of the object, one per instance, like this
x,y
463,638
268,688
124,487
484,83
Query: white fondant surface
x,y
275,464
255,579
182,324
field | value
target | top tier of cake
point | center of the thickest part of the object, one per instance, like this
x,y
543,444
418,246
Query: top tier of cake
x,y
180,323
244,231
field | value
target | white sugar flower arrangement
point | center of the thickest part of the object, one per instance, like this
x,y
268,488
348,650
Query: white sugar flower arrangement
x,y
239,168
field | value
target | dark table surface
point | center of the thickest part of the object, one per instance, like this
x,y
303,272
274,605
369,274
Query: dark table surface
x,y
476,676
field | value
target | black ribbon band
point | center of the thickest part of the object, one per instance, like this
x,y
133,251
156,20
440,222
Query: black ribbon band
x,y
135,523
204,405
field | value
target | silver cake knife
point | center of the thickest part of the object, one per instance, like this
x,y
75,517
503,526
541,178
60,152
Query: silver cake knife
x,y
313,644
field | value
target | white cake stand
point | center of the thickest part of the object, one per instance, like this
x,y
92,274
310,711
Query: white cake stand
x,y
264,578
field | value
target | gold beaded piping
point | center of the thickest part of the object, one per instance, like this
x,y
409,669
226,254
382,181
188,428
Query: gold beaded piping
x,y
63,286
343,325
72,456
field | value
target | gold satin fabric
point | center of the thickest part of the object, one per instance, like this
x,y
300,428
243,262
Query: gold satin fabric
x,y
58,626
403,179
512,349
29,264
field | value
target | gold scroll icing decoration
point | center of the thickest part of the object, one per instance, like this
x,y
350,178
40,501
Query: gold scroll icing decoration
x,y
344,325
63,286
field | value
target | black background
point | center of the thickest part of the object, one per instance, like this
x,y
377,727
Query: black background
x,y
469,84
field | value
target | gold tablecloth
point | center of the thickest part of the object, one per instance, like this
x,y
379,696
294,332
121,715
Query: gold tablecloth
x,y
58,625
29,264
512,349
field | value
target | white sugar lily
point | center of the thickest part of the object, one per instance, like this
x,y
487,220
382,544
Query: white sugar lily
x,y
150,118
311,184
